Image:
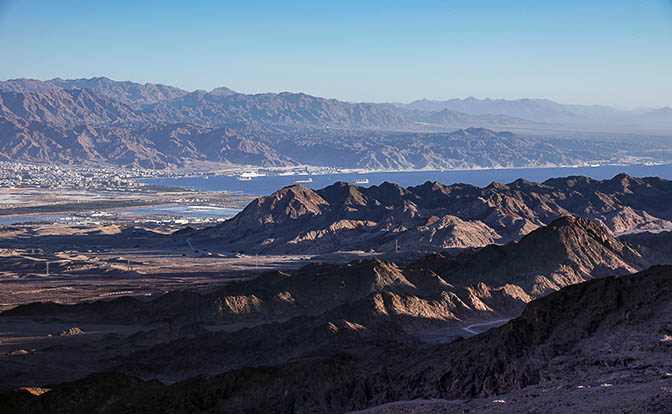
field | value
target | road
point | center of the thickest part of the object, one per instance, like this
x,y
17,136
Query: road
x,y
489,324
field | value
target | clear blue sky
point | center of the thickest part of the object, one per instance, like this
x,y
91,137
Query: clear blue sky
x,y
592,52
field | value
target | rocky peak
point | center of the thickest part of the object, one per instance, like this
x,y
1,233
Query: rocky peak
x,y
570,182
567,251
621,183
497,186
222,91
523,183
387,193
343,216
480,132
293,201
571,233
342,193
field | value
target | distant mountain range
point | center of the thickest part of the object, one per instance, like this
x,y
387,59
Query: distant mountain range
x,y
545,111
130,93
455,112
157,126
49,102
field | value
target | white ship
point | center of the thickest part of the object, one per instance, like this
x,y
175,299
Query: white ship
x,y
251,174
362,181
308,180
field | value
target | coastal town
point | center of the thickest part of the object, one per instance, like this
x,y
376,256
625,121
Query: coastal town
x,y
26,175
34,194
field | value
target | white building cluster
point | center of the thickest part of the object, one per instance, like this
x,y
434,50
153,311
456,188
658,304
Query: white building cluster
x,y
20,175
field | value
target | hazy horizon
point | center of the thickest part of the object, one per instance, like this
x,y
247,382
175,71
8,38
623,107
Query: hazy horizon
x,y
604,53
484,98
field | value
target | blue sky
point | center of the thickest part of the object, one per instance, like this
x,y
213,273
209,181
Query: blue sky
x,y
591,52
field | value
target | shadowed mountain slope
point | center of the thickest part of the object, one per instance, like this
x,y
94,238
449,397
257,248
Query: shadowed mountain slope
x,y
494,282
142,146
67,108
436,291
561,337
551,257
610,329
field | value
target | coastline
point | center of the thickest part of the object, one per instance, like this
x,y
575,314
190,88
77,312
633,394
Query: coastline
x,y
264,184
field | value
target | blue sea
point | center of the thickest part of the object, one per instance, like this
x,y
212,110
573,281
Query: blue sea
x,y
268,184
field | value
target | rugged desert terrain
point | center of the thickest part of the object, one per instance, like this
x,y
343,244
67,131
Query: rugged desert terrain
x,y
343,207
132,319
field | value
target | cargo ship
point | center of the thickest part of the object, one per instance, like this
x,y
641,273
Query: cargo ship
x,y
307,180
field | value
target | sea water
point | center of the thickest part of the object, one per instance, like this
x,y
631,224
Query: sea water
x,y
265,185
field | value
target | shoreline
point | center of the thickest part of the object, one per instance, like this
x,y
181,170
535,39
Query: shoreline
x,y
325,170
481,177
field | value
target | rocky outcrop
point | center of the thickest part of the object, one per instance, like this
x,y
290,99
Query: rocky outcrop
x,y
490,283
567,251
570,324
71,331
579,334
432,216
602,333
494,282
334,338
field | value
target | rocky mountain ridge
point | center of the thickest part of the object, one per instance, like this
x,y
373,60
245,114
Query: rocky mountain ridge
x,y
296,127
66,108
453,112
601,334
434,216
329,306
543,111
135,142
53,102
177,145
130,93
